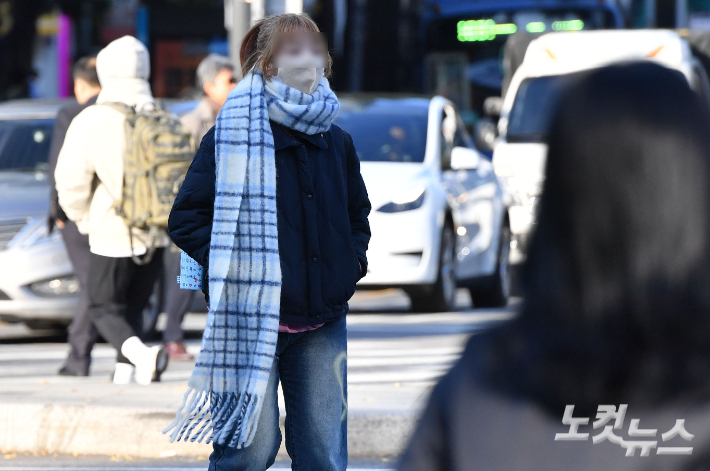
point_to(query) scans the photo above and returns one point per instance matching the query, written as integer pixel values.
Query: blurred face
(222, 85)
(83, 91)
(293, 44)
(300, 49)
(299, 60)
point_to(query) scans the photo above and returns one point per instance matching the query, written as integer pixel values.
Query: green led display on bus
(482, 30)
(571, 25)
(488, 30)
(536, 27)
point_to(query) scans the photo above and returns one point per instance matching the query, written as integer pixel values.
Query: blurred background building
(450, 47)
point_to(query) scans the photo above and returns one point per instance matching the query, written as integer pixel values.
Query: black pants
(82, 333)
(119, 290)
(177, 301)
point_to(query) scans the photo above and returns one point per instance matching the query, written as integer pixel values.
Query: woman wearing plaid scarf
(275, 208)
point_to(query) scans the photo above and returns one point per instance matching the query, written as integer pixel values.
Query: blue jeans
(312, 367)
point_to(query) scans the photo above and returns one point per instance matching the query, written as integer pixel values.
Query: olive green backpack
(159, 150)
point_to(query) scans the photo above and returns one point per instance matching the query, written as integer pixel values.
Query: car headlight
(56, 287)
(406, 202)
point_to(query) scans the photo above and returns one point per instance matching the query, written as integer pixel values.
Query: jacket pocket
(358, 269)
(350, 287)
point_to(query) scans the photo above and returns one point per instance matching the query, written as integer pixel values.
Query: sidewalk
(393, 361)
(84, 416)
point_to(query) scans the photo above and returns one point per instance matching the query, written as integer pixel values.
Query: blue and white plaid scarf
(227, 387)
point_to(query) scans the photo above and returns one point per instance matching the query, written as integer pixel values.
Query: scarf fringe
(222, 416)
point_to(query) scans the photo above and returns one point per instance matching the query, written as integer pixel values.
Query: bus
(464, 40)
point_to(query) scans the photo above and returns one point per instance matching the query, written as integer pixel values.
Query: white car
(36, 283)
(438, 217)
(551, 62)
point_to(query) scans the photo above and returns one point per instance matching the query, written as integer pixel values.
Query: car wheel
(441, 296)
(495, 290)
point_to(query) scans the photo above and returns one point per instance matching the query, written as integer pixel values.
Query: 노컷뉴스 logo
(639, 437)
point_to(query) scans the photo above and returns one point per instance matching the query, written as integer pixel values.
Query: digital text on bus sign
(488, 30)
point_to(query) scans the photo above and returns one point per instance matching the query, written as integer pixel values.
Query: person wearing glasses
(215, 75)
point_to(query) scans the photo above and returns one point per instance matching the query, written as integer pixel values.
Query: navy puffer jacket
(322, 220)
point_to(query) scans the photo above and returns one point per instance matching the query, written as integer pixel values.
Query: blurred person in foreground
(215, 75)
(617, 305)
(89, 180)
(82, 333)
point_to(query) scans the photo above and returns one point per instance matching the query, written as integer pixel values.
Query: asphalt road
(386, 342)
(388, 346)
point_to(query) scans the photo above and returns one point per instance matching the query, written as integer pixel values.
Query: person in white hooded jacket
(89, 182)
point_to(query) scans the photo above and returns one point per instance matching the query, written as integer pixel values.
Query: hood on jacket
(123, 68)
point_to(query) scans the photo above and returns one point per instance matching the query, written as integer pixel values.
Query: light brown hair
(259, 44)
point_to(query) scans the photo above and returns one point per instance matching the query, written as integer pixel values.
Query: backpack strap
(120, 107)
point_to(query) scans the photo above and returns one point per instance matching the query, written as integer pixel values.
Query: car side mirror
(463, 158)
(485, 133)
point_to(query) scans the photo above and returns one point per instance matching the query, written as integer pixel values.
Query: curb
(103, 430)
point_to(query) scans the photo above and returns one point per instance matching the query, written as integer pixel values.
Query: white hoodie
(94, 146)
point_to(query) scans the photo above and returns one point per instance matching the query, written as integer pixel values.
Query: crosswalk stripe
(395, 376)
(382, 348)
(364, 366)
(109, 353)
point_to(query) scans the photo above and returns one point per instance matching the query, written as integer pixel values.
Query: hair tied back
(247, 52)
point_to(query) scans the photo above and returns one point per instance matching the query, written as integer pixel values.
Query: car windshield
(533, 106)
(387, 135)
(24, 144)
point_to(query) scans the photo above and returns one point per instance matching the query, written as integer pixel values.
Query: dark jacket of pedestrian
(323, 232)
(616, 316)
(64, 117)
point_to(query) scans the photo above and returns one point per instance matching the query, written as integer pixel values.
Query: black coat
(322, 208)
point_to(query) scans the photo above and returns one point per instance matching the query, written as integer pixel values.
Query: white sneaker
(123, 373)
(151, 366)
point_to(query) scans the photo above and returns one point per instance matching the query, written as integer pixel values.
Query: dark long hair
(617, 281)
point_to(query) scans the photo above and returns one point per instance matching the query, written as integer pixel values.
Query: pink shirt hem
(295, 328)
